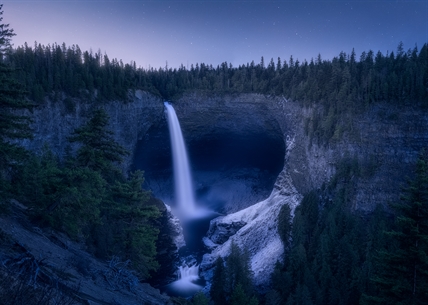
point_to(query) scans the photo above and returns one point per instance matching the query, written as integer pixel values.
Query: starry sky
(174, 32)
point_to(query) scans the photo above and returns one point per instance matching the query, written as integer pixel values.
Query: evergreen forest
(333, 255)
(338, 256)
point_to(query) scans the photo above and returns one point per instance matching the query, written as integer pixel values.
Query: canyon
(250, 154)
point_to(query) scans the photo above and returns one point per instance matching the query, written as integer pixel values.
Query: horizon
(175, 33)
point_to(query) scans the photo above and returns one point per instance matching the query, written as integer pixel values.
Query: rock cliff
(236, 150)
(384, 140)
(255, 229)
(54, 121)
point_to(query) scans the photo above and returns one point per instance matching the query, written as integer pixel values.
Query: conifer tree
(125, 225)
(99, 151)
(6, 34)
(200, 299)
(128, 214)
(402, 276)
(240, 298)
(217, 291)
(233, 283)
(12, 125)
(284, 226)
(238, 270)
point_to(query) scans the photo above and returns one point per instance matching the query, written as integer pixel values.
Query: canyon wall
(384, 141)
(54, 121)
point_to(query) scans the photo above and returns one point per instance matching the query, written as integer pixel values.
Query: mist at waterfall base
(191, 216)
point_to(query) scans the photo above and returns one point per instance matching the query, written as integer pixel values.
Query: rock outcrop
(384, 140)
(258, 233)
(254, 229)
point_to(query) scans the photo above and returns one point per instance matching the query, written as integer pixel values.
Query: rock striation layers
(53, 122)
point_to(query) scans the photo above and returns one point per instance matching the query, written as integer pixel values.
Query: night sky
(194, 31)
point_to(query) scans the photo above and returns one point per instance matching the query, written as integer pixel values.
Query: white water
(186, 207)
(189, 273)
(185, 285)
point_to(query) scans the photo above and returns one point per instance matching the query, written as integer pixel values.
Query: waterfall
(189, 273)
(182, 177)
(186, 210)
(186, 284)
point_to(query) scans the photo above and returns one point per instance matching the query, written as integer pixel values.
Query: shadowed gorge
(223, 164)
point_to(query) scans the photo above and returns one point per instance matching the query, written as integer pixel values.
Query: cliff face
(235, 147)
(384, 141)
(53, 122)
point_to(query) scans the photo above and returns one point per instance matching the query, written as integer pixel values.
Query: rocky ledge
(40, 260)
(253, 229)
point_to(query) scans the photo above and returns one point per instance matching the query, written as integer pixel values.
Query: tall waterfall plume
(183, 180)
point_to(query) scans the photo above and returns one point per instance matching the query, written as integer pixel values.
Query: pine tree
(6, 35)
(129, 215)
(125, 225)
(217, 291)
(238, 270)
(402, 276)
(240, 298)
(200, 299)
(99, 151)
(285, 226)
(12, 125)
(39, 184)
(78, 207)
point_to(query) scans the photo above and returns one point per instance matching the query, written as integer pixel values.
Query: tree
(13, 125)
(232, 284)
(217, 291)
(200, 299)
(402, 276)
(66, 198)
(78, 207)
(125, 225)
(240, 298)
(6, 35)
(99, 150)
(238, 270)
(284, 226)
(39, 183)
(128, 214)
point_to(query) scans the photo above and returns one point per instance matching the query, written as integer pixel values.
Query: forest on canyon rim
(334, 255)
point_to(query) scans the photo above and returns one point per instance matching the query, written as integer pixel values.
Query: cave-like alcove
(232, 169)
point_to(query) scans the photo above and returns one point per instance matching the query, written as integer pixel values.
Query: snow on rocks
(255, 229)
(220, 231)
(209, 244)
(176, 228)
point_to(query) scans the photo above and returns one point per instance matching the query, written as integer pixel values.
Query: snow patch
(176, 228)
(259, 235)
